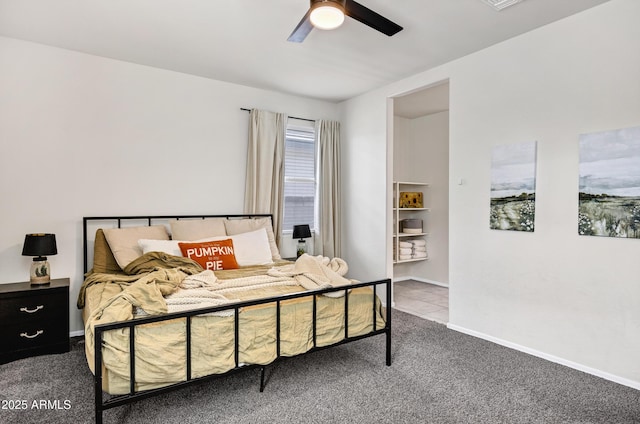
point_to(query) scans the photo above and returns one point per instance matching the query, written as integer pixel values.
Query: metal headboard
(120, 221)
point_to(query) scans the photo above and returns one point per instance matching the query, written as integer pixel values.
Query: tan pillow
(239, 226)
(103, 260)
(124, 241)
(197, 229)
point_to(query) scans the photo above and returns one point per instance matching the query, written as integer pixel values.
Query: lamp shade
(301, 231)
(39, 244)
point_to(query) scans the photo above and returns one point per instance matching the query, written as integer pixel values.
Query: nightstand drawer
(41, 307)
(32, 335)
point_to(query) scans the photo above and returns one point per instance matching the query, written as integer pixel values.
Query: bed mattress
(161, 347)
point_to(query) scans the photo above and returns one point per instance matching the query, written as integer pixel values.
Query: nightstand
(34, 320)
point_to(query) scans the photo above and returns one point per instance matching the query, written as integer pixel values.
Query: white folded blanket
(405, 251)
(420, 249)
(197, 291)
(419, 242)
(406, 244)
(316, 272)
(404, 257)
(418, 255)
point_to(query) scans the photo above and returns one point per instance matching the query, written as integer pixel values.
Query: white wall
(83, 136)
(553, 293)
(421, 153)
(365, 194)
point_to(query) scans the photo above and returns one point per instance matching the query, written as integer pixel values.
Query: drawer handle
(27, 336)
(31, 311)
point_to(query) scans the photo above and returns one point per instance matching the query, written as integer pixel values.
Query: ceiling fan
(329, 14)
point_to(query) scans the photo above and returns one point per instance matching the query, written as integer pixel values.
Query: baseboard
(593, 371)
(78, 333)
(422, 280)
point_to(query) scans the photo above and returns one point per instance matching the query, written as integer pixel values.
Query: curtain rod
(294, 117)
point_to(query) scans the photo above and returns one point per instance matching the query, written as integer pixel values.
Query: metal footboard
(102, 404)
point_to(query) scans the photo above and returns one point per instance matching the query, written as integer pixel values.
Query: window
(299, 177)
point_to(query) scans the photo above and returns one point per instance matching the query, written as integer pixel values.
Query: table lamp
(301, 232)
(40, 245)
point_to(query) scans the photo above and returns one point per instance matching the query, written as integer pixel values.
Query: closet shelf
(411, 214)
(411, 260)
(410, 183)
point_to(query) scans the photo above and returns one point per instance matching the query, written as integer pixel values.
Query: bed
(172, 300)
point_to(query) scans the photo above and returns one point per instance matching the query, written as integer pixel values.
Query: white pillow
(167, 246)
(244, 225)
(250, 248)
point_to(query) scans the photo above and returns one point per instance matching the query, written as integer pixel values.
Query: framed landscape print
(609, 187)
(513, 187)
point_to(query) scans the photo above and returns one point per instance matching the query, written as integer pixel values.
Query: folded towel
(404, 257)
(419, 242)
(404, 251)
(406, 244)
(418, 255)
(420, 249)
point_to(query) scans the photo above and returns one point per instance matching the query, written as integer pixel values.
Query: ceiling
(245, 41)
(423, 102)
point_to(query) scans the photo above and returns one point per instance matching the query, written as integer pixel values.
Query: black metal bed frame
(101, 404)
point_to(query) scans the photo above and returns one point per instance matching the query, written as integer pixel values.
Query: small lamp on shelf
(40, 245)
(301, 232)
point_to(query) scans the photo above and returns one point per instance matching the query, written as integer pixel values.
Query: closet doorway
(419, 163)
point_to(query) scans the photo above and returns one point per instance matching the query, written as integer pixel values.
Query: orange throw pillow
(213, 255)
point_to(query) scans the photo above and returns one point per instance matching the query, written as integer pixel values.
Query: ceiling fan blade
(302, 30)
(371, 18)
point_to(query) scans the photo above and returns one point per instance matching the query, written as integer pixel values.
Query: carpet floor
(437, 376)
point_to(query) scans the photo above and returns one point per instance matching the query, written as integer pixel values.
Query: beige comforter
(163, 284)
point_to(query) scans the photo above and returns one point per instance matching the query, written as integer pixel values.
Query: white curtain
(329, 188)
(265, 165)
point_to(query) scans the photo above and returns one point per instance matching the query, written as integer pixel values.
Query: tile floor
(425, 300)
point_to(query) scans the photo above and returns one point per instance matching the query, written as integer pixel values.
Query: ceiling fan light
(327, 16)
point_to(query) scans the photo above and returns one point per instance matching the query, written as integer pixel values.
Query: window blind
(299, 178)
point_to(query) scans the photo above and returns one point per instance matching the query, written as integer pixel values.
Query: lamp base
(40, 272)
(302, 248)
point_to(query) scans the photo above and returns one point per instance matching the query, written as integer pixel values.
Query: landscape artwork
(513, 187)
(609, 188)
